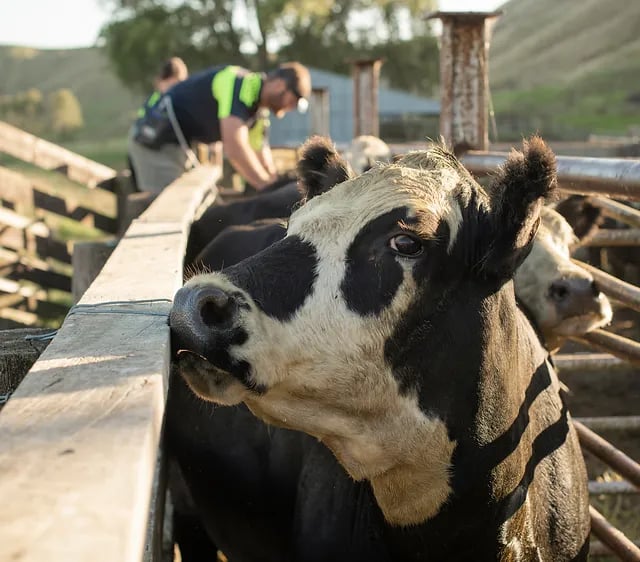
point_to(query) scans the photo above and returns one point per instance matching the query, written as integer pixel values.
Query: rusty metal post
(320, 112)
(464, 78)
(366, 78)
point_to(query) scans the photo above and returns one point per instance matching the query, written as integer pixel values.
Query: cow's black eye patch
(373, 274)
(406, 245)
(280, 278)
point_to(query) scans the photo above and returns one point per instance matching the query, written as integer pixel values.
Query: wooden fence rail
(80, 435)
(50, 156)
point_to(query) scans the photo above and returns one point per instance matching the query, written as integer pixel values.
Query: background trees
(59, 113)
(260, 33)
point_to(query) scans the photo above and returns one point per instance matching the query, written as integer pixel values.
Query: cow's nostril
(559, 290)
(216, 307)
(594, 289)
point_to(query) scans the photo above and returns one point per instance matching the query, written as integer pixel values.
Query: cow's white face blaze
(561, 296)
(310, 332)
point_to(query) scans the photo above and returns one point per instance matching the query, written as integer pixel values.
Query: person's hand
(265, 184)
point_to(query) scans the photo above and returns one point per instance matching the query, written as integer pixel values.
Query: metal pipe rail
(615, 177)
(615, 210)
(606, 452)
(619, 346)
(597, 549)
(572, 362)
(619, 290)
(599, 488)
(614, 539)
(614, 237)
(605, 423)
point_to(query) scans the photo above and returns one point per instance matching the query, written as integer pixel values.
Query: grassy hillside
(108, 108)
(566, 68)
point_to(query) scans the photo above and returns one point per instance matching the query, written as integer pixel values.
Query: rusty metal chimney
(464, 78)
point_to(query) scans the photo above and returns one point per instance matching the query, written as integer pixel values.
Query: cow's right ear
(320, 167)
(518, 191)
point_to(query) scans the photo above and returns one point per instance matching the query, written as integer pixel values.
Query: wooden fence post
(88, 259)
(366, 77)
(320, 116)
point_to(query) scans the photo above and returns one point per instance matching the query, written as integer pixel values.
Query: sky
(62, 24)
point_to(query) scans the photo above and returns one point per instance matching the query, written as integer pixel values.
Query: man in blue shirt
(218, 104)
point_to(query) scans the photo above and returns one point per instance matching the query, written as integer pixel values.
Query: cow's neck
(474, 375)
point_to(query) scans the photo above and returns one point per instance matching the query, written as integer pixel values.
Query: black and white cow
(561, 297)
(422, 418)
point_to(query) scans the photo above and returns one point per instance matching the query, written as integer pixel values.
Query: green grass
(565, 113)
(107, 106)
(110, 152)
(566, 70)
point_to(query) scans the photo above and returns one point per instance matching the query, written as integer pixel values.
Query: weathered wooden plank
(80, 434)
(18, 233)
(88, 260)
(18, 318)
(70, 209)
(20, 192)
(46, 278)
(16, 190)
(45, 154)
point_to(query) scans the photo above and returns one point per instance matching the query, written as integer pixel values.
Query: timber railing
(80, 436)
(50, 156)
(34, 257)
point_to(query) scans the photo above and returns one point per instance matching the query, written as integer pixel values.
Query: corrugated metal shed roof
(294, 128)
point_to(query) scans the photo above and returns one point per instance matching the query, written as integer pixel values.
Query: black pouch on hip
(154, 128)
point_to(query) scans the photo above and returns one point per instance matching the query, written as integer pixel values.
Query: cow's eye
(406, 245)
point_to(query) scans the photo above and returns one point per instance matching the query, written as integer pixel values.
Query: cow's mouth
(587, 320)
(578, 325)
(209, 382)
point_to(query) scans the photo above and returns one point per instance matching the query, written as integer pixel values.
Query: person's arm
(235, 141)
(266, 159)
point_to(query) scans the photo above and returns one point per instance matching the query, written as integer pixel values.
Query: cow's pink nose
(216, 306)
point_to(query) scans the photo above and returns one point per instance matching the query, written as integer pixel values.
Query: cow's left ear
(320, 167)
(584, 218)
(519, 190)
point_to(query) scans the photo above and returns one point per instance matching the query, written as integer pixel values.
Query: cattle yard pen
(81, 462)
(81, 434)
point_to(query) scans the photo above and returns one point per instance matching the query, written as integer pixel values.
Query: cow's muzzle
(204, 323)
(200, 314)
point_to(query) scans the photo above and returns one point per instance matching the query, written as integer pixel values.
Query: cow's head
(376, 323)
(561, 297)
(365, 151)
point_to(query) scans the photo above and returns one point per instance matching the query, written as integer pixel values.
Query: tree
(24, 110)
(260, 33)
(65, 113)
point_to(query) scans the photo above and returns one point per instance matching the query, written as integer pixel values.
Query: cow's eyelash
(413, 230)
